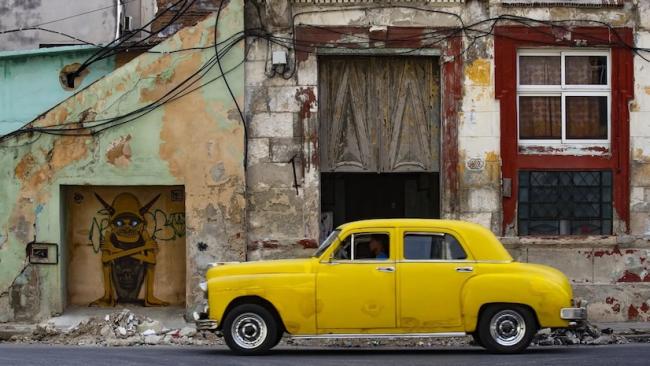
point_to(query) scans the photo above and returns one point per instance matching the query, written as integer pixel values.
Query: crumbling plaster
(196, 141)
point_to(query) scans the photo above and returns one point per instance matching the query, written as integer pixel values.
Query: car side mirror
(331, 260)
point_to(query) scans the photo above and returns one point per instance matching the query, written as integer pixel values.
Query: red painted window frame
(508, 39)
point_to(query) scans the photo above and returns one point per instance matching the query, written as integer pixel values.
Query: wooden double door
(379, 114)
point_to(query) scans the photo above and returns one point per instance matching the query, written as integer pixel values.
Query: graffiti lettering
(165, 226)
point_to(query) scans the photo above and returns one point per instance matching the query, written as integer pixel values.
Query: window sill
(565, 149)
(565, 240)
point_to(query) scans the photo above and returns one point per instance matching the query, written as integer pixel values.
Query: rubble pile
(118, 329)
(585, 333)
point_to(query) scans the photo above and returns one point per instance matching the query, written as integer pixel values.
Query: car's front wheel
(506, 328)
(250, 329)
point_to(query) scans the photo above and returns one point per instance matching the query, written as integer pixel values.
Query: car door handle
(386, 269)
(464, 269)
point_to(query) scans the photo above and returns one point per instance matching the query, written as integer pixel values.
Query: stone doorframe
(313, 41)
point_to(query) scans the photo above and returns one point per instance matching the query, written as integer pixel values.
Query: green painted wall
(29, 81)
(196, 141)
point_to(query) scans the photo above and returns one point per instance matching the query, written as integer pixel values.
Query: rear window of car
(425, 246)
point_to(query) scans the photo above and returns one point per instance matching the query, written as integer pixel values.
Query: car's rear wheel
(250, 329)
(506, 328)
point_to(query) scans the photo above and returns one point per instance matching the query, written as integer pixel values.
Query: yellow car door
(355, 286)
(431, 272)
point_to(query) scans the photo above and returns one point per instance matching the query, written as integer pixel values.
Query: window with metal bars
(565, 203)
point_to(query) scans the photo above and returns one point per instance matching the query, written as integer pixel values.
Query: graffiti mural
(128, 252)
(127, 239)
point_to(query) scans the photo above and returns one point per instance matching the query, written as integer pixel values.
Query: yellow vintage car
(390, 278)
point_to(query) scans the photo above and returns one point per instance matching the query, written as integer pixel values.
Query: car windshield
(326, 244)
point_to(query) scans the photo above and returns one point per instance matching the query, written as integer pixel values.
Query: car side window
(419, 246)
(364, 246)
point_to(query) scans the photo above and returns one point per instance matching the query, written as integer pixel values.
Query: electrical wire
(65, 18)
(225, 80)
(475, 31)
(112, 47)
(48, 31)
(90, 127)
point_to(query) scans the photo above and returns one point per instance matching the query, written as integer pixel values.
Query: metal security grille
(565, 203)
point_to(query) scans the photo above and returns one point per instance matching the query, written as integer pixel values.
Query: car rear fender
(543, 296)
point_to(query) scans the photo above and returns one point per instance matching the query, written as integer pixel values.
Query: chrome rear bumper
(573, 313)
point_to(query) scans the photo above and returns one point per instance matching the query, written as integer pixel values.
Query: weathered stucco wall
(30, 81)
(283, 119)
(195, 141)
(610, 272)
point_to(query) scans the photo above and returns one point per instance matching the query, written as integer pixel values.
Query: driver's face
(375, 246)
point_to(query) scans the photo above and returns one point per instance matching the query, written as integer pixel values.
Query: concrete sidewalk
(633, 331)
(173, 318)
(625, 327)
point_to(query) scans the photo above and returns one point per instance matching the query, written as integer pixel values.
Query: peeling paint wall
(30, 81)
(195, 141)
(284, 221)
(283, 117)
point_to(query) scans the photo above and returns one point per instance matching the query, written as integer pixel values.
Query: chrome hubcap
(249, 330)
(507, 327)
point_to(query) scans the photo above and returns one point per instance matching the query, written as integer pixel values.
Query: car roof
(480, 241)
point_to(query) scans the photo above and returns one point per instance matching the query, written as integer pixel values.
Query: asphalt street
(628, 354)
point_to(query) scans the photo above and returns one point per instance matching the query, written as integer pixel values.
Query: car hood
(260, 267)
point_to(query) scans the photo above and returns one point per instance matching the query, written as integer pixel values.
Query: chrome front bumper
(207, 325)
(573, 314)
(203, 322)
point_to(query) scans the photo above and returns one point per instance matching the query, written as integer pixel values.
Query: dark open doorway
(354, 196)
(379, 138)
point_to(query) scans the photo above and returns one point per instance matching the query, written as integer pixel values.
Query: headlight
(203, 286)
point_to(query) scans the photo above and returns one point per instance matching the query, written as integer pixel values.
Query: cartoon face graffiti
(128, 253)
(127, 220)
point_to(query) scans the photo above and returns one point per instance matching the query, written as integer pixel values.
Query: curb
(9, 330)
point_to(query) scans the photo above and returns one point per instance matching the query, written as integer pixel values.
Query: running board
(374, 336)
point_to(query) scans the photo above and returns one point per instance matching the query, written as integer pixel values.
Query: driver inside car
(379, 246)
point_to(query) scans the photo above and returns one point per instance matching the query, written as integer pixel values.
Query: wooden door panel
(379, 114)
(346, 134)
(410, 134)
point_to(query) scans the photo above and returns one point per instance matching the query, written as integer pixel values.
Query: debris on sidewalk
(585, 333)
(122, 328)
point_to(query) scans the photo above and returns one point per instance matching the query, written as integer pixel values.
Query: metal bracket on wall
(295, 177)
